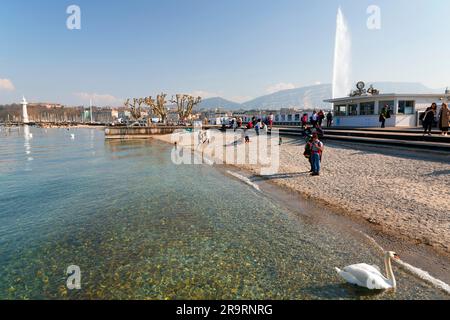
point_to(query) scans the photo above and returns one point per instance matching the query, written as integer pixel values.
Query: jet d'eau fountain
(342, 58)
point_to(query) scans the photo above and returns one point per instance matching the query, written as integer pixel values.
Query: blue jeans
(315, 162)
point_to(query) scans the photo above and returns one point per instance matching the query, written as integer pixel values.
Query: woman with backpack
(428, 119)
(384, 115)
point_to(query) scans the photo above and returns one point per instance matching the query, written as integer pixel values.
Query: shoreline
(425, 254)
(55, 126)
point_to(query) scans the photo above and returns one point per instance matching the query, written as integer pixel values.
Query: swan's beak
(396, 256)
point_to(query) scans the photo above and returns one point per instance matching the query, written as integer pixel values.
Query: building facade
(364, 110)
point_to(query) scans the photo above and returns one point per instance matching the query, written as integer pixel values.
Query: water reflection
(27, 137)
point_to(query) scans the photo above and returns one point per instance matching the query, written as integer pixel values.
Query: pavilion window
(405, 107)
(297, 117)
(289, 117)
(367, 108)
(352, 109)
(340, 110)
(390, 104)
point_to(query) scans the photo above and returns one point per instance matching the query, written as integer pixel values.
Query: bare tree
(151, 104)
(160, 107)
(135, 108)
(185, 104)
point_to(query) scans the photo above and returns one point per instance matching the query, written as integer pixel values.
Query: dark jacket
(429, 116)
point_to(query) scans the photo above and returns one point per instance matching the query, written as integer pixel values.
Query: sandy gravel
(406, 195)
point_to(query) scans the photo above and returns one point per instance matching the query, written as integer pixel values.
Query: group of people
(428, 118)
(317, 118)
(255, 123)
(258, 125)
(431, 115)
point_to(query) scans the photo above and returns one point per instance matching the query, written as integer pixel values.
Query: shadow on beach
(438, 173)
(278, 176)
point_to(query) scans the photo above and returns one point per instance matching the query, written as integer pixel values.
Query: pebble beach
(406, 194)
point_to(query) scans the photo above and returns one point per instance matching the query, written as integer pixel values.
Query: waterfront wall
(144, 132)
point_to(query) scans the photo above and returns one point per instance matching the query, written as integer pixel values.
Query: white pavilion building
(362, 109)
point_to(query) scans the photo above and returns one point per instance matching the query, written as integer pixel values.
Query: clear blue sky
(238, 49)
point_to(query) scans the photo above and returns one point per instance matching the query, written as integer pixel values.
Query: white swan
(370, 277)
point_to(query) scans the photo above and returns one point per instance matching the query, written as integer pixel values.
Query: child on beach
(317, 148)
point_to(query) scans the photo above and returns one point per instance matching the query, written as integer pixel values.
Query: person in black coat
(428, 119)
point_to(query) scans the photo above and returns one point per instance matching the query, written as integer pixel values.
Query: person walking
(304, 120)
(329, 119)
(320, 117)
(314, 119)
(444, 119)
(200, 138)
(257, 126)
(271, 118)
(234, 124)
(317, 148)
(207, 137)
(428, 119)
(384, 115)
(240, 122)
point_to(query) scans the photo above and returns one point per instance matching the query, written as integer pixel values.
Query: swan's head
(392, 255)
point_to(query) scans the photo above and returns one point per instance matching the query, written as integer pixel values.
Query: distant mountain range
(213, 103)
(309, 97)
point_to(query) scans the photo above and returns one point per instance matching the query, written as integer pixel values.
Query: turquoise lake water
(140, 227)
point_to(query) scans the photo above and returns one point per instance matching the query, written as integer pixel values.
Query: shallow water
(140, 227)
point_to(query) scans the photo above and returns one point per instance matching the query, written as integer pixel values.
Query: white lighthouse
(90, 110)
(25, 111)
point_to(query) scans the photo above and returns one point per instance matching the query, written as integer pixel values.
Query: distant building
(216, 117)
(285, 116)
(115, 114)
(46, 105)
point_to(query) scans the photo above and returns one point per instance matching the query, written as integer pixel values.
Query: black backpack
(423, 115)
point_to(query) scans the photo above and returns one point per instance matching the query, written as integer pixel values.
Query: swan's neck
(389, 271)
